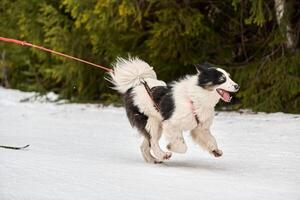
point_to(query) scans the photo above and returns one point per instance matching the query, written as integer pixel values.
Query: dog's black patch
(209, 76)
(136, 118)
(163, 97)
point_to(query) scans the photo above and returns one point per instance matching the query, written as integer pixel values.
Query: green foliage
(257, 13)
(171, 35)
(272, 85)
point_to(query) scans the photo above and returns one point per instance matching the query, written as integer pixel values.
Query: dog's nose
(236, 87)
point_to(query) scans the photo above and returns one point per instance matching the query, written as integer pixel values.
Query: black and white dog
(154, 107)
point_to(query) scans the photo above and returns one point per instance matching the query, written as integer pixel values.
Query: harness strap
(194, 112)
(150, 95)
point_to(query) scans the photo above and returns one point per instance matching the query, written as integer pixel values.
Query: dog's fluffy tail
(128, 73)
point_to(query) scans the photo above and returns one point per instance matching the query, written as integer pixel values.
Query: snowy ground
(87, 152)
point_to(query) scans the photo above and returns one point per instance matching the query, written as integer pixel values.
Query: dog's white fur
(130, 73)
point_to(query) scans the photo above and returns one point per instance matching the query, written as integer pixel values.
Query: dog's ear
(204, 67)
(200, 68)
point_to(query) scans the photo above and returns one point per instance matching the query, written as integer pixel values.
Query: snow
(90, 152)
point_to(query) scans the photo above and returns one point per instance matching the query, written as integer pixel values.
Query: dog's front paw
(217, 153)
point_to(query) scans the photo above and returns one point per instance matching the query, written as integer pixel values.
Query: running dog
(154, 107)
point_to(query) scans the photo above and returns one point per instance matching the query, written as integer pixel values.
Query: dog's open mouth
(225, 95)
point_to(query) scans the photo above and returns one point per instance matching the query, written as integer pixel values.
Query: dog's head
(216, 80)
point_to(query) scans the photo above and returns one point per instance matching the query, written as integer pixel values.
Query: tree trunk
(288, 24)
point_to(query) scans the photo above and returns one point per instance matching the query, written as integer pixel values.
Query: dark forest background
(257, 41)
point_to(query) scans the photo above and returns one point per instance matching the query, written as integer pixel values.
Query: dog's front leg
(205, 139)
(175, 139)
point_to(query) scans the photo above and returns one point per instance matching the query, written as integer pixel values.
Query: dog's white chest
(188, 123)
(185, 118)
(205, 114)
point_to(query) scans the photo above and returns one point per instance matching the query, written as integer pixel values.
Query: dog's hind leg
(154, 128)
(145, 149)
(204, 138)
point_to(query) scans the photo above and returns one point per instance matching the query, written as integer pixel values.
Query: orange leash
(23, 43)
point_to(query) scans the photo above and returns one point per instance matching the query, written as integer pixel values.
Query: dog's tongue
(226, 96)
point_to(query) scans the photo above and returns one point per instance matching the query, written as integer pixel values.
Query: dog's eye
(222, 78)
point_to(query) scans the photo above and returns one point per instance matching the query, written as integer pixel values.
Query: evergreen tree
(248, 38)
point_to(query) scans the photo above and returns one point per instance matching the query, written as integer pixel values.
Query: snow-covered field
(87, 152)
